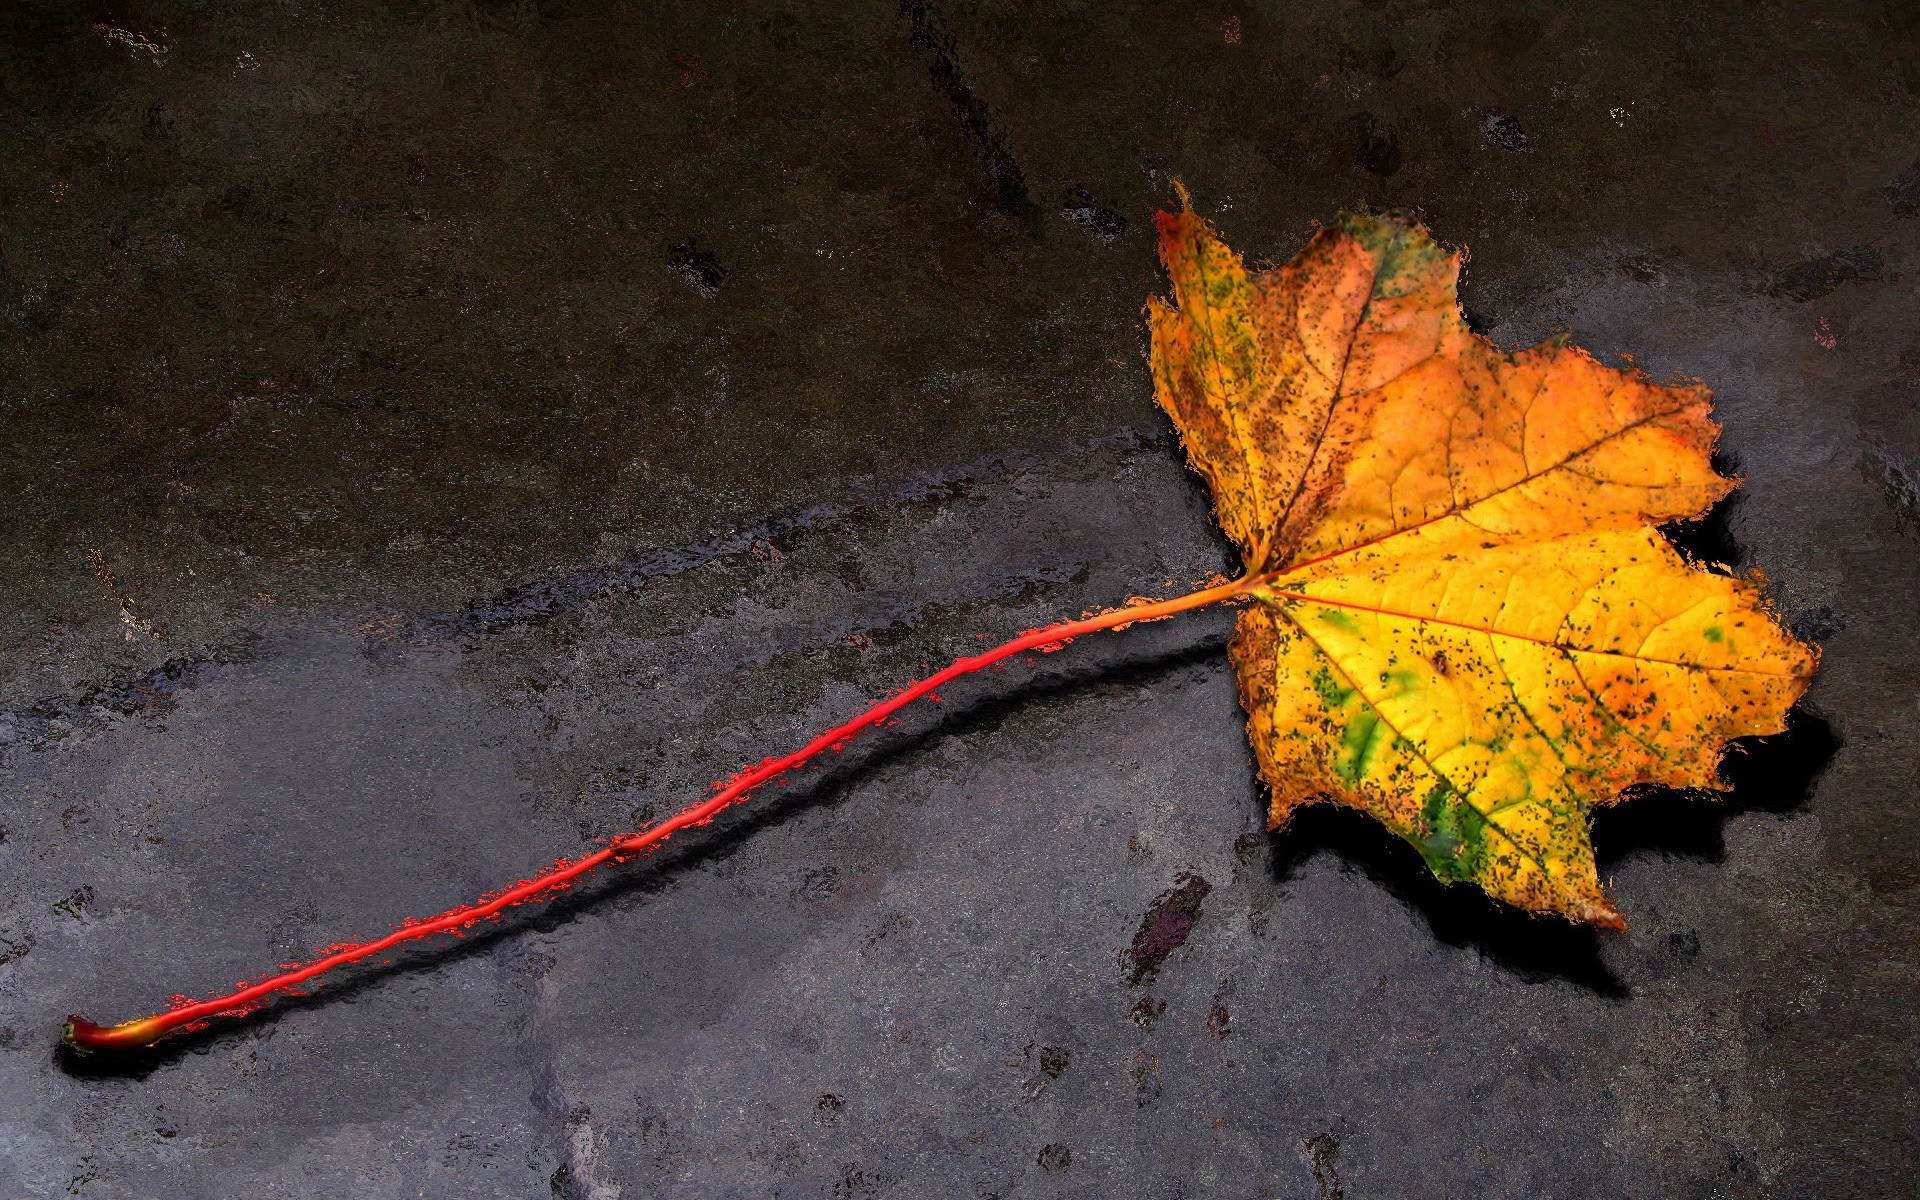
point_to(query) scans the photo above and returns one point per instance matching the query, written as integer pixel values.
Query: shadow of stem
(1142, 658)
(1767, 775)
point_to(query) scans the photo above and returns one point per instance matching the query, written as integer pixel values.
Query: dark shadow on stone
(1373, 144)
(1537, 949)
(700, 268)
(1116, 670)
(1708, 540)
(931, 38)
(1769, 775)
(1903, 192)
(1773, 774)
(1818, 277)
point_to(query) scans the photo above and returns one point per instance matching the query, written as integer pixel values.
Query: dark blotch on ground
(1818, 624)
(1376, 147)
(1102, 223)
(1817, 277)
(1147, 1011)
(1323, 1159)
(1903, 192)
(1890, 470)
(701, 268)
(1504, 131)
(1166, 927)
(1054, 1061)
(1219, 1018)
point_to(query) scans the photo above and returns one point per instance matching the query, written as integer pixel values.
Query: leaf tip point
(1173, 222)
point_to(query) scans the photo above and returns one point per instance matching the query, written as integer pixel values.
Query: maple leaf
(1463, 619)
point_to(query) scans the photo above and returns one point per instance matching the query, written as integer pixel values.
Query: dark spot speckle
(1102, 223)
(1219, 1019)
(828, 1107)
(77, 904)
(1903, 192)
(1054, 1061)
(1054, 1156)
(1147, 1011)
(701, 268)
(14, 948)
(1505, 132)
(1323, 1159)
(1818, 624)
(818, 884)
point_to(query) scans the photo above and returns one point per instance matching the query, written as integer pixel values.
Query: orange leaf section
(1465, 622)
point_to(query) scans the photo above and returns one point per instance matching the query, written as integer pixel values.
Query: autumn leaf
(1464, 620)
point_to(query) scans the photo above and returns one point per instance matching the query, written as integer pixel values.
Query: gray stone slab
(437, 435)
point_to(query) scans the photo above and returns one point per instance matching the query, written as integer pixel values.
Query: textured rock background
(438, 434)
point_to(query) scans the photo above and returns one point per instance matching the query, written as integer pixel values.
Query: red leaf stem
(188, 1014)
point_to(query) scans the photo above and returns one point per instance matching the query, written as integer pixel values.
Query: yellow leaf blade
(1466, 623)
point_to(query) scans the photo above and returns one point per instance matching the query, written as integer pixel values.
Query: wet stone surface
(440, 434)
